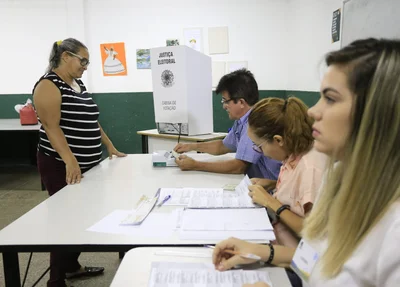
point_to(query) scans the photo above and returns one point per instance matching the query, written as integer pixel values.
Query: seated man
(239, 92)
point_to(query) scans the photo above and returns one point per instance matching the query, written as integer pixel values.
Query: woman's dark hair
(59, 47)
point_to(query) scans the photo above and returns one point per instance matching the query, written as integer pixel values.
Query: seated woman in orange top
(282, 130)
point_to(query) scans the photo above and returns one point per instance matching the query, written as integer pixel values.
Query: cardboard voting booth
(182, 90)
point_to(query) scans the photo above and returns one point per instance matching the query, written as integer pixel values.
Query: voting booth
(182, 90)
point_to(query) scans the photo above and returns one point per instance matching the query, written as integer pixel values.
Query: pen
(244, 255)
(164, 200)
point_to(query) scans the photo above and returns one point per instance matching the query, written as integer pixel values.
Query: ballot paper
(255, 219)
(220, 198)
(144, 207)
(156, 225)
(184, 274)
(209, 197)
(179, 196)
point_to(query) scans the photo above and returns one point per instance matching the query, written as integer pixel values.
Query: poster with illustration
(113, 59)
(194, 38)
(143, 59)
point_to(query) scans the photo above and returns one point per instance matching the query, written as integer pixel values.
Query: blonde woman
(354, 229)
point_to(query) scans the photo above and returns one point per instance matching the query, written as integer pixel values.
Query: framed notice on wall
(336, 26)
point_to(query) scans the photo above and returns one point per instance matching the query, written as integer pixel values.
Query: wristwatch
(280, 209)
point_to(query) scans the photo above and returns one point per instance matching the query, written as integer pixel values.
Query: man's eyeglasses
(225, 102)
(258, 148)
(83, 61)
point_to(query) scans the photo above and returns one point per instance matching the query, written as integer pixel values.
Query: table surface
(206, 137)
(15, 125)
(114, 184)
(136, 266)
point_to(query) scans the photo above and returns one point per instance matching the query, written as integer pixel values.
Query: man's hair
(239, 84)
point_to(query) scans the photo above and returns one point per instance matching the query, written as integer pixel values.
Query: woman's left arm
(260, 196)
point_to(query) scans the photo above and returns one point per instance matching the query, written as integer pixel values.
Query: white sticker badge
(304, 260)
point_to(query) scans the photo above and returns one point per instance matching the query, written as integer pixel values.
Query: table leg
(121, 255)
(11, 269)
(145, 144)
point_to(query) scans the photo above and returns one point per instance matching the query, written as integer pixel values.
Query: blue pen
(164, 200)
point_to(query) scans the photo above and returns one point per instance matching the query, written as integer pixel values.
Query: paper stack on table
(210, 197)
(219, 224)
(174, 274)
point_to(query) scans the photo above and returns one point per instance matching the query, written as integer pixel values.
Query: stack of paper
(226, 219)
(156, 225)
(179, 196)
(168, 274)
(144, 207)
(216, 224)
(210, 197)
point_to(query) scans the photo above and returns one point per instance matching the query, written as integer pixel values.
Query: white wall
(309, 39)
(27, 31)
(255, 34)
(282, 40)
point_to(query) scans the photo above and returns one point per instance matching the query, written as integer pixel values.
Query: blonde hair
(287, 118)
(362, 187)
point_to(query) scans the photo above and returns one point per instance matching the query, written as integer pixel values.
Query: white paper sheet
(174, 274)
(179, 196)
(155, 225)
(193, 38)
(198, 253)
(218, 40)
(226, 219)
(206, 198)
(217, 236)
(219, 198)
(209, 197)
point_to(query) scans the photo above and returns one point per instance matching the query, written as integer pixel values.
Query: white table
(60, 222)
(136, 266)
(153, 141)
(12, 131)
(15, 125)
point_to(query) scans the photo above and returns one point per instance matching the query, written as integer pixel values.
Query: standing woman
(70, 137)
(351, 237)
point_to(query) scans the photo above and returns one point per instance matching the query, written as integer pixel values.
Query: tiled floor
(20, 192)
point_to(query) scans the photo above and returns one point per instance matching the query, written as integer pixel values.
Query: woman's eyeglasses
(83, 61)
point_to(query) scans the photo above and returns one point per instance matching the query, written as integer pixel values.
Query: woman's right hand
(73, 171)
(225, 261)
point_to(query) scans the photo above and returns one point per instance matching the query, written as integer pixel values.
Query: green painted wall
(123, 114)
(309, 98)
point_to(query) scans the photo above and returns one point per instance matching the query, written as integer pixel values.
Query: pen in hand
(244, 255)
(164, 200)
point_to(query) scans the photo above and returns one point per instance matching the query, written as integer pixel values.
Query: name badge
(304, 260)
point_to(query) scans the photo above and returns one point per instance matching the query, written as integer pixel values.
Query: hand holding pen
(233, 251)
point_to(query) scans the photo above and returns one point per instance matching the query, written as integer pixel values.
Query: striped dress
(79, 122)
